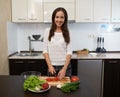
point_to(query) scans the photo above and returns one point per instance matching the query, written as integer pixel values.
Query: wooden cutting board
(55, 83)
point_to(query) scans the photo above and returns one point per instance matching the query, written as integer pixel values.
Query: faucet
(30, 48)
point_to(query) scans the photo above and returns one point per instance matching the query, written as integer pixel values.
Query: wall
(5, 15)
(83, 35)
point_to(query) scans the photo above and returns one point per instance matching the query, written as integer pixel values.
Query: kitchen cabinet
(84, 10)
(27, 11)
(90, 74)
(51, 5)
(115, 11)
(93, 10)
(111, 78)
(17, 66)
(102, 10)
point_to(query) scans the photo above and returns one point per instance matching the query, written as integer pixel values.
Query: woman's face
(59, 18)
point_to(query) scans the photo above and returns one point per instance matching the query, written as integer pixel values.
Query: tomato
(74, 79)
(45, 86)
(56, 79)
(49, 79)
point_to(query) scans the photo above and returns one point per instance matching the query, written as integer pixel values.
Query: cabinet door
(58, 1)
(35, 11)
(19, 10)
(111, 78)
(115, 11)
(102, 10)
(16, 67)
(84, 10)
(38, 65)
(50, 7)
(74, 66)
(89, 72)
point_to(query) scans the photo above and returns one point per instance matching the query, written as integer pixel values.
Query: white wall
(83, 35)
(12, 38)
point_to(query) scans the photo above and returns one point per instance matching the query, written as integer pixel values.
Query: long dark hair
(64, 27)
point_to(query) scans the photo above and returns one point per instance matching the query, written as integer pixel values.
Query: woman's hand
(51, 70)
(62, 73)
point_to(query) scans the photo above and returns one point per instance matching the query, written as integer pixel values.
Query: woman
(57, 48)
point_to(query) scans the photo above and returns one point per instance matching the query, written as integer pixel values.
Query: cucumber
(68, 87)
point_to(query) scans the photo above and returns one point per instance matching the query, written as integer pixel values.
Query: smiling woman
(57, 39)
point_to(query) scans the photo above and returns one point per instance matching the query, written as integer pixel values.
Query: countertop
(12, 86)
(74, 56)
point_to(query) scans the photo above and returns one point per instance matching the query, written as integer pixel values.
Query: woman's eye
(60, 17)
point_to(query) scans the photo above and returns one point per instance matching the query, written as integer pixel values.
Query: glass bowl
(26, 74)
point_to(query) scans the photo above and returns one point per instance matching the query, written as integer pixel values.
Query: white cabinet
(51, 5)
(27, 11)
(102, 10)
(93, 10)
(115, 10)
(84, 10)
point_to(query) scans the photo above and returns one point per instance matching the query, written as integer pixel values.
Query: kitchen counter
(75, 56)
(12, 86)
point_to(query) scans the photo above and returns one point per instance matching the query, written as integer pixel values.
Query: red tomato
(74, 79)
(45, 86)
(56, 79)
(49, 79)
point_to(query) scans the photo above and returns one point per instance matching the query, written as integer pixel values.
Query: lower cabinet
(111, 78)
(17, 66)
(90, 74)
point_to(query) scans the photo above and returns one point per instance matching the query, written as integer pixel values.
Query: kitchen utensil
(26, 74)
(102, 45)
(55, 83)
(98, 45)
(39, 91)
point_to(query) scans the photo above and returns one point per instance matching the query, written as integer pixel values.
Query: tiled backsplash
(83, 35)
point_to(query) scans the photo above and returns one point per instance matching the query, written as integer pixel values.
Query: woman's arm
(50, 67)
(62, 72)
(45, 53)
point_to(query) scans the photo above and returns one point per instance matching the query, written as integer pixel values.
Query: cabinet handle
(87, 19)
(33, 19)
(31, 62)
(112, 61)
(20, 62)
(21, 19)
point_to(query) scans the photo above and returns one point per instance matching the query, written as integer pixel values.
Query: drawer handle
(31, 62)
(19, 62)
(112, 61)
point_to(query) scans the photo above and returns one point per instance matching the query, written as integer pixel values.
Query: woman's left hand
(61, 73)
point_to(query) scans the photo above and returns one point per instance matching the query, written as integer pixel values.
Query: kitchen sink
(27, 54)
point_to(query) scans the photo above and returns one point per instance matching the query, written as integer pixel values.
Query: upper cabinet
(84, 10)
(78, 10)
(27, 11)
(93, 10)
(51, 5)
(102, 10)
(40, 10)
(115, 10)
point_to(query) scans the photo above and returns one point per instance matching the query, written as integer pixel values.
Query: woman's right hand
(51, 70)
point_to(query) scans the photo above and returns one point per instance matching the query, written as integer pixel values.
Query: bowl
(36, 37)
(26, 74)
